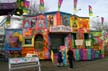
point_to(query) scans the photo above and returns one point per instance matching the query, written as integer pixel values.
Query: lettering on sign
(79, 42)
(60, 28)
(23, 60)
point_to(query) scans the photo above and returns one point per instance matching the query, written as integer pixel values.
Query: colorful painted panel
(27, 22)
(15, 53)
(28, 32)
(74, 23)
(96, 40)
(65, 20)
(58, 18)
(41, 22)
(84, 23)
(33, 22)
(50, 20)
(13, 39)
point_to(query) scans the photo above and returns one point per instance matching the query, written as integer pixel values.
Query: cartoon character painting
(13, 39)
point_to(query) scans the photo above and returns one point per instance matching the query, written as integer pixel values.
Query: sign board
(2, 30)
(88, 43)
(23, 60)
(60, 28)
(79, 42)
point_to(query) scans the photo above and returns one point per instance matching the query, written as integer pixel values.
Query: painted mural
(50, 20)
(74, 23)
(13, 42)
(35, 34)
(84, 24)
(13, 39)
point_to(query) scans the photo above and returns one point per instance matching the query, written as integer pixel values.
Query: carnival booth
(44, 33)
(35, 36)
(59, 29)
(97, 44)
(69, 31)
(80, 38)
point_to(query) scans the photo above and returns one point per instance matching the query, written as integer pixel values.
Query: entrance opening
(39, 42)
(57, 40)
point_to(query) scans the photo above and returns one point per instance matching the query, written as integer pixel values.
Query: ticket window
(28, 42)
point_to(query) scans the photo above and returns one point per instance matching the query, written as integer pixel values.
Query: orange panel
(58, 18)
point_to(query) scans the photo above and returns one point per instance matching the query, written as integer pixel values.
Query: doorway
(57, 40)
(39, 42)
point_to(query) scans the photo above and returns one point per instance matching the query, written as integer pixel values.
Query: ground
(94, 65)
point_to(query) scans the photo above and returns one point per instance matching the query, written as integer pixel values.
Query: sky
(99, 7)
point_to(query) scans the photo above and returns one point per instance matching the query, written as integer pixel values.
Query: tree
(98, 26)
(34, 9)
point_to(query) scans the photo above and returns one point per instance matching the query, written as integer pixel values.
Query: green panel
(88, 53)
(77, 54)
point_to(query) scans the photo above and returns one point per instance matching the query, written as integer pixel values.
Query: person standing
(70, 58)
(60, 58)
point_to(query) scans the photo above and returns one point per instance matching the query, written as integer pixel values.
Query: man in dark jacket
(60, 60)
(70, 57)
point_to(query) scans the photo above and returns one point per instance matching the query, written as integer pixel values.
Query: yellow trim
(28, 45)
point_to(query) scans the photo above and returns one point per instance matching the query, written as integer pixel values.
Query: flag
(8, 20)
(20, 3)
(90, 11)
(26, 4)
(25, 11)
(75, 5)
(59, 4)
(26, 7)
(41, 7)
(102, 20)
(52, 56)
(23, 7)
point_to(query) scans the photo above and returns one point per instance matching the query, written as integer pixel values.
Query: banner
(102, 20)
(23, 7)
(90, 11)
(20, 4)
(8, 20)
(41, 6)
(75, 5)
(59, 4)
(26, 4)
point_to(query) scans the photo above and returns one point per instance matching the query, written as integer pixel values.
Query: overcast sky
(99, 7)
